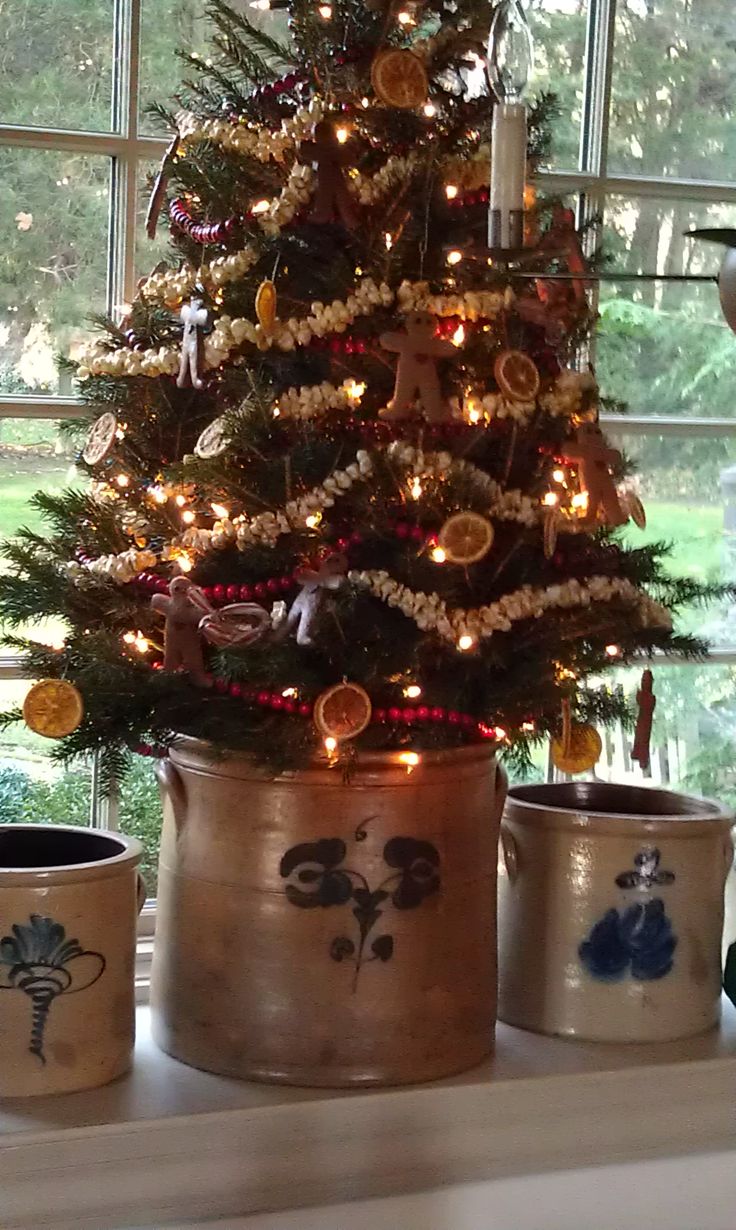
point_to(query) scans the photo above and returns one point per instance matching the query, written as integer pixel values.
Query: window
(645, 143)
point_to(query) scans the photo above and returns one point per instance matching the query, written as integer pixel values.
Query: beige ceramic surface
(66, 1009)
(245, 980)
(559, 881)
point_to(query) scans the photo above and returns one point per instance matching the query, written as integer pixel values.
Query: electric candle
(510, 60)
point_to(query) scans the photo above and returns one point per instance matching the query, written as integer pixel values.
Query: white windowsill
(168, 1142)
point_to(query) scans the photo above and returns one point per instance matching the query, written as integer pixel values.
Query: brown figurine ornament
(195, 318)
(416, 372)
(158, 192)
(594, 458)
(646, 701)
(182, 639)
(332, 199)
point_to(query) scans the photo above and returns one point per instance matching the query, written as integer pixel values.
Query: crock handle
(509, 854)
(728, 842)
(141, 891)
(500, 791)
(171, 787)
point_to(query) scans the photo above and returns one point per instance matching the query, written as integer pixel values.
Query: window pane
(688, 488)
(140, 816)
(664, 348)
(694, 733)
(559, 27)
(148, 252)
(53, 261)
(56, 68)
(33, 456)
(167, 26)
(32, 788)
(674, 89)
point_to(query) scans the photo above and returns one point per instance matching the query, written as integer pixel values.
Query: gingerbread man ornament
(182, 640)
(416, 373)
(332, 199)
(594, 459)
(646, 702)
(195, 318)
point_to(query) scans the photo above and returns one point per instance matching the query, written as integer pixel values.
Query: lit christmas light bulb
(355, 389)
(260, 207)
(559, 476)
(454, 257)
(613, 651)
(580, 501)
(220, 510)
(289, 693)
(451, 191)
(180, 500)
(412, 691)
(429, 110)
(465, 642)
(158, 495)
(458, 336)
(188, 517)
(551, 498)
(410, 759)
(122, 480)
(325, 11)
(342, 133)
(142, 644)
(438, 554)
(415, 488)
(185, 563)
(313, 520)
(129, 638)
(389, 241)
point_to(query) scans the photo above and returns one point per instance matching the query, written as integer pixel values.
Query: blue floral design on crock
(638, 940)
(647, 873)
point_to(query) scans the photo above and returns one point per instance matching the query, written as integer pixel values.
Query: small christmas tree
(347, 487)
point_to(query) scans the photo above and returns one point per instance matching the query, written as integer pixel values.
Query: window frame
(127, 148)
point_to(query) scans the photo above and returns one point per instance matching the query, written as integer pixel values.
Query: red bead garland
(406, 715)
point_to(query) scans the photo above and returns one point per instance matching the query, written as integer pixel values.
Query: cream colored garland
(97, 360)
(430, 612)
(253, 140)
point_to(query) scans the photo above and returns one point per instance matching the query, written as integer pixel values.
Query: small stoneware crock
(69, 900)
(611, 911)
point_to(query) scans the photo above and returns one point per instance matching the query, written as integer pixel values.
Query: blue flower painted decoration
(638, 940)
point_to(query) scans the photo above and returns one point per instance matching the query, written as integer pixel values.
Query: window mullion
(597, 93)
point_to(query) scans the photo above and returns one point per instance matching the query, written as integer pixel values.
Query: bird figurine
(727, 277)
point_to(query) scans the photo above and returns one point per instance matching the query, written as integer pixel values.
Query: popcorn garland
(504, 505)
(430, 612)
(372, 188)
(309, 401)
(173, 285)
(252, 140)
(97, 360)
(267, 527)
(293, 196)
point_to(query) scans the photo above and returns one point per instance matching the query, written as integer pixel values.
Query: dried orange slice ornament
(516, 375)
(583, 752)
(399, 78)
(466, 537)
(634, 507)
(100, 438)
(212, 441)
(342, 712)
(266, 306)
(53, 708)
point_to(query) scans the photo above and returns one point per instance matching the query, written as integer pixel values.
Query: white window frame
(127, 147)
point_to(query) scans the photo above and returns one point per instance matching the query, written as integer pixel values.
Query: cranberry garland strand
(406, 715)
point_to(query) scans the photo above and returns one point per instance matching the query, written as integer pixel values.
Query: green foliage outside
(27, 799)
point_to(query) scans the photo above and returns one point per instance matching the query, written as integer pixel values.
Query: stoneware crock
(322, 931)
(69, 900)
(611, 911)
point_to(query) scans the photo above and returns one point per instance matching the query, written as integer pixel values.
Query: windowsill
(168, 1142)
